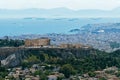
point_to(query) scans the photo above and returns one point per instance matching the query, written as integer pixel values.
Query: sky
(71, 4)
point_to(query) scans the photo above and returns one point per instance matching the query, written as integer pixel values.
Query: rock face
(11, 57)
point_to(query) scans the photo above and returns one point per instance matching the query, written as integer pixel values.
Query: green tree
(118, 74)
(43, 77)
(102, 78)
(3, 72)
(67, 70)
(92, 74)
(38, 72)
(33, 59)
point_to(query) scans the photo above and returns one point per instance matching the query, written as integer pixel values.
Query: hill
(89, 59)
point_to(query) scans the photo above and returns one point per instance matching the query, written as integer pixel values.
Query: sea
(21, 26)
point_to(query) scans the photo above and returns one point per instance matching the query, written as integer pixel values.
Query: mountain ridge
(60, 12)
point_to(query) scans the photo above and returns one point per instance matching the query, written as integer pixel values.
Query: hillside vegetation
(82, 60)
(76, 61)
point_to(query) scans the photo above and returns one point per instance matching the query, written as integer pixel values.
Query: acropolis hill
(12, 56)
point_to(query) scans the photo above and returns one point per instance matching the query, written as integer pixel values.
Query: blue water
(11, 27)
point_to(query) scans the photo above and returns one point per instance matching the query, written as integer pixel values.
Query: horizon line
(59, 8)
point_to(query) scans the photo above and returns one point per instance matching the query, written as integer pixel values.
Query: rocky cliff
(11, 57)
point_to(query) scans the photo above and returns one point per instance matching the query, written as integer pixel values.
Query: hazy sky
(72, 4)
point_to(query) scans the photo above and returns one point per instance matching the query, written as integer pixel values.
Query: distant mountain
(59, 12)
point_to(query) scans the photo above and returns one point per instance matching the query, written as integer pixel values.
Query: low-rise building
(52, 77)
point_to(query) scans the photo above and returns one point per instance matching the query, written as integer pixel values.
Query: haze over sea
(11, 27)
